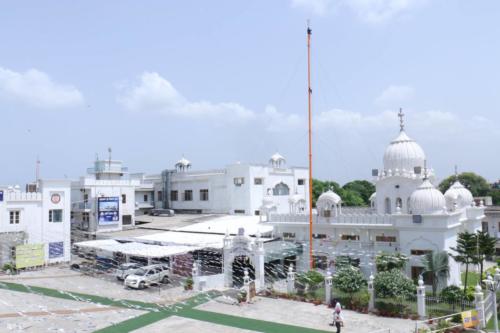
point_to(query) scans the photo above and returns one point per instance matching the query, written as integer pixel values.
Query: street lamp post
(492, 285)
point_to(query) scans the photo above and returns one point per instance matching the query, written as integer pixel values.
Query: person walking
(338, 321)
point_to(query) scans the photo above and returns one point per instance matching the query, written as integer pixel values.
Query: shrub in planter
(188, 284)
(393, 284)
(242, 296)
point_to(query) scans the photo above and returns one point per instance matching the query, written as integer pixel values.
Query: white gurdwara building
(408, 214)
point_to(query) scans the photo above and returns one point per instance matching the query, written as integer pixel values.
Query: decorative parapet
(23, 196)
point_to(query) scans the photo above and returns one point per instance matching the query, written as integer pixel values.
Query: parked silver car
(147, 276)
(126, 269)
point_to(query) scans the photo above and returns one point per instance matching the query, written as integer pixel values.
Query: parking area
(105, 284)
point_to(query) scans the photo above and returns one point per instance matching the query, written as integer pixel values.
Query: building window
(326, 213)
(484, 226)
(124, 198)
(174, 195)
(145, 198)
(257, 212)
(86, 217)
(350, 237)
(257, 181)
(301, 181)
(160, 196)
(238, 181)
(85, 198)
(281, 189)
(419, 252)
(288, 235)
(239, 211)
(388, 206)
(319, 236)
(188, 195)
(55, 215)
(204, 195)
(399, 203)
(14, 216)
(382, 238)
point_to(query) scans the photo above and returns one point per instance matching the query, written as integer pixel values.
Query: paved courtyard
(60, 300)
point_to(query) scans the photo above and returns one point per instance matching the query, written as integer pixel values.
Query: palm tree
(436, 264)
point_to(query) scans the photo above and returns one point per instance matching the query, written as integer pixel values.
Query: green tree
(436, 264)
(349, 279)
(320, 186)
(393, 284)
(465, 253)
(495, 196)
(351, 198)
(476, 184)
(389, 261)
(363, 188)
(486, 246)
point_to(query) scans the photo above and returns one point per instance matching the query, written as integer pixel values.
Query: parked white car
(147, 276)
(126, 269)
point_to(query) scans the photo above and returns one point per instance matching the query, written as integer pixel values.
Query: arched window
(281, 189)
(387, 206)
(399, 203)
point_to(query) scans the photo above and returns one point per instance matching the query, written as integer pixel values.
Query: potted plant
(188, 284)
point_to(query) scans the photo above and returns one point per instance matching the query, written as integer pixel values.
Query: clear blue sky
(225, 81)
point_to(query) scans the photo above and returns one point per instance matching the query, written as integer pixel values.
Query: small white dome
(183, 162)
(277, 157)
(403, 153)
(426, 199)
(329, 197)
(459, 194)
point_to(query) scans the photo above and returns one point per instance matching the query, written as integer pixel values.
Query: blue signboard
(1, 196)
(56, 250)
(108, 210)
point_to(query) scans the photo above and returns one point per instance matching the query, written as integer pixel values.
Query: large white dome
(403, 153)
(426, 199)
(459, 194)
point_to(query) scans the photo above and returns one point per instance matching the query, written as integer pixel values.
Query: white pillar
(328, 288)
(371, 292)
(479, 302)
(290, 280)
(246, 284)
(421, 297)
(228, 272)
(260, 273)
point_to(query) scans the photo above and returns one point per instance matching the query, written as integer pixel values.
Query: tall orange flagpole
(309, 95)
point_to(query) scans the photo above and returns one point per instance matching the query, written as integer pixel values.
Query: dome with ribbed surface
(403, 153)
(458, 194)
(426, 199)
(329, 197)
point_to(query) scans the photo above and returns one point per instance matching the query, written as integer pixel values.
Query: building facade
(35, 227)
(236, 189)
(104, 199)
(408, 215)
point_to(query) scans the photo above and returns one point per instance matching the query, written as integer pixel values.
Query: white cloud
(345, 120)
(394, 95)
(154, 93)
(317, 7)
(36, 89)
(379, 11)
(276, 121)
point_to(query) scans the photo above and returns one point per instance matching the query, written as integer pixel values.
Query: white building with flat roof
(236, 189)
(104, 199)
(40, 219)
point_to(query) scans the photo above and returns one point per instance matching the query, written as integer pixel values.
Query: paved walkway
(156, 312)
